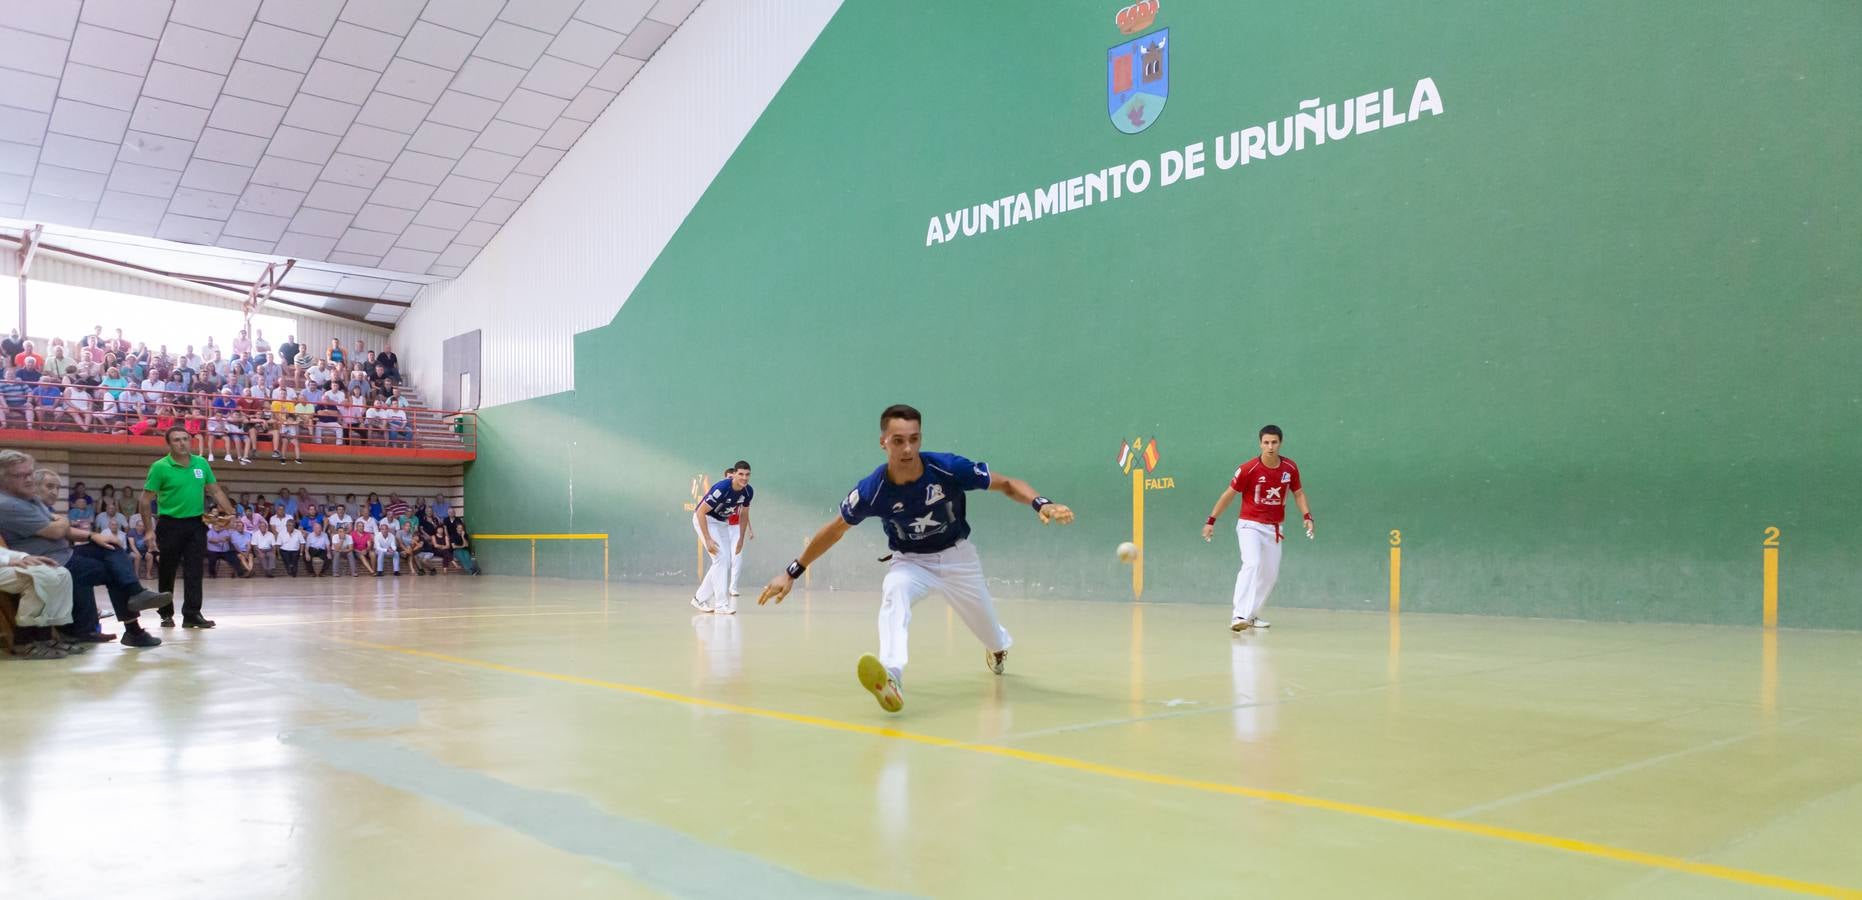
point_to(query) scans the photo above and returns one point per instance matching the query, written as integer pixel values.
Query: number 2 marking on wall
(1771, 535)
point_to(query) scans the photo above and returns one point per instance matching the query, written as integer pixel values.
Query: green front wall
(1581, 337)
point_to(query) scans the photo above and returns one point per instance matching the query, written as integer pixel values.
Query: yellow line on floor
(523, 615)
(1512, 835)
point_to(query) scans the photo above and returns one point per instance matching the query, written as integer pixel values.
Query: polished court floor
(503, 737)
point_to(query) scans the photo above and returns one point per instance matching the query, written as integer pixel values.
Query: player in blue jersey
(712, 521)
(919, 497)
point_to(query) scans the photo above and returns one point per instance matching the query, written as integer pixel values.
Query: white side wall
(570, 257)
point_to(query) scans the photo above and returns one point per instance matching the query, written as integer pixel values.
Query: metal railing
(131, 412)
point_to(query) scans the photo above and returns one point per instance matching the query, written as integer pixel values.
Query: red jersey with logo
(1264, 491)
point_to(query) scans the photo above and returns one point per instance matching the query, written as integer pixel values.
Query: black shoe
(168, 621)
(95, 637)
(136, 637)
(148, 600)
(196, 622)
(378, 574)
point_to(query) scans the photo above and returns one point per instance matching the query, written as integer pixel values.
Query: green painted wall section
(1581, 337)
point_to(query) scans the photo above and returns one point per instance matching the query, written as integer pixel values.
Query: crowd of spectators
(229, 400)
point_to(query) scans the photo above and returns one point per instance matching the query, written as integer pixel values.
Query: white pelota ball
(1127, 552)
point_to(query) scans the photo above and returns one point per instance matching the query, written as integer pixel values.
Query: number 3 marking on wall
(1396, 538)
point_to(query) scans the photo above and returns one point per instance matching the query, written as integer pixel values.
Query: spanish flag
(1150, 456)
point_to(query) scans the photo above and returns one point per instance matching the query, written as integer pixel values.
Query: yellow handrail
(534, 538)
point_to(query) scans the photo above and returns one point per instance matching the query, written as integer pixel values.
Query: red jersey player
(1263, 484)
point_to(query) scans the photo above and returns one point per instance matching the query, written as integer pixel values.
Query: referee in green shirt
(175, 496)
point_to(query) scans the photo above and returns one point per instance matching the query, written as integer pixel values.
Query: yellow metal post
(1137, 531)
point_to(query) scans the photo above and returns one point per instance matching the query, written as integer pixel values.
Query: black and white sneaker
(1260, 623)
(995, 660)
(1240, 625)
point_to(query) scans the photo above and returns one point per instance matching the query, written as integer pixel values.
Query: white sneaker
(229, 457)
(726, 610)
(735, 594)
(700, 606)
(1260, 623)
(995, 659)
(1240, 625)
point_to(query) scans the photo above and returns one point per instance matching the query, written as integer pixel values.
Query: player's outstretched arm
(1021, 492)
(829, 535)
(1220, 504)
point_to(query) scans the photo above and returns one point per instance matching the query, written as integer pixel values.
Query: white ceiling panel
(145, 181)
(308, 16)
(256, 226)
(188, 229)
(558, 77)
(672, 12)
(103, 87)
(614, 15)
(644, 41)
(358, 46)
(442, 140)
(408, 195)
(286, 173)
(615, 74)
(215, 176)
(270, 200)
(340, 81)
(132, 207)
(159, 151)
(282, 47)
(590, 45)
(485, 165)
(80, 153)
(370, 142)
(342, 198)
(202, 204)
(421, 168)
(321, 114)
(358, 171)
(168, 118)
(529, 108)
(246, 116)
(448, 216)
(22, 159)
(228, 17)
(437, 45)
(483, 78)
(27, 90)
(403, 259)
(32, 52)
(540, 160)
(512, 44)
(508, 137)
(168, 81)
(470, 16)
(415, 81)
(393, 16)
(54, 18)
(303, 145)
(463, 111)
(144, 17)
(459, 190)
(270, 84)
(68, 184)
(230, 147)
(198, 48)
(376, 217)
(114, 50)
(99, 123)
(381, 138)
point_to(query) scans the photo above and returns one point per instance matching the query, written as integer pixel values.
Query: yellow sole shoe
(879, 683)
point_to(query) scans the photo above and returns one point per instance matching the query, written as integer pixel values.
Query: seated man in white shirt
(265, 552)
(387, 546)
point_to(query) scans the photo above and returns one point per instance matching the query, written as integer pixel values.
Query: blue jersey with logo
(725, 499)
(925, 516)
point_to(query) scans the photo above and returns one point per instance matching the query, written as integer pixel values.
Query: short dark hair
(899, 411)
(741, 466)
(171, 432)
(1271, 429)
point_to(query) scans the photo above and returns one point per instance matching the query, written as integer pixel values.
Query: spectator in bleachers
(342, 551)
(265, 552)
(364, 543)
(287, 351)
(11, 346)
(58, 359)
(28, 358)
(316, 549)
(335, 353)
(220, 549)
(387, 547)
(44, 589)
(291, 546)
(14, 394)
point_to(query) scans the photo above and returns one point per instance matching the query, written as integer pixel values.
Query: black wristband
(796, 569)
(1040, 502)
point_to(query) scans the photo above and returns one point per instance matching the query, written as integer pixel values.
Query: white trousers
(737, 557)
(1260, 567)
(714, 591)
(957, 573)
(44, 593)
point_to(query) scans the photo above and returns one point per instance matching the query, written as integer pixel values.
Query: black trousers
(290, 561)
(231, 558)
(182, 544)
